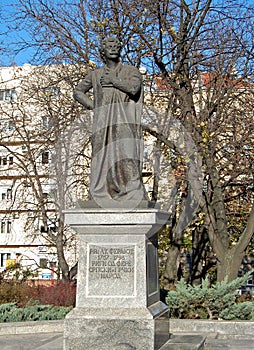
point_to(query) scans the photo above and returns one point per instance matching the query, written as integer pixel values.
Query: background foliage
(204, 301)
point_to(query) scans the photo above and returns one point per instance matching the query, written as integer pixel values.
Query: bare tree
(203, 52)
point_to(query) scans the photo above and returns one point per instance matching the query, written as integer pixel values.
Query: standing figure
(116, 168)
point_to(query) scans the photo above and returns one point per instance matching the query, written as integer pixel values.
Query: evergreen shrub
(12, 313)
(218, 301)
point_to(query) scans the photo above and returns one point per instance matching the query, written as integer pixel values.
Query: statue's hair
(104, 42)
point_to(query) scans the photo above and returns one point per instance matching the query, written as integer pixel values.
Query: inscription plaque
(111, 270)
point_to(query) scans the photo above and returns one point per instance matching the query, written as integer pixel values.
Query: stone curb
(228, 328)
(31, 327)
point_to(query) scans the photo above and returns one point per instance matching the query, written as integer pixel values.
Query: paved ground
(47, 341)
(213, 343)
(54, 341)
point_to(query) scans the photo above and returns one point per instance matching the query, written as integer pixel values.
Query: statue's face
(111, 49)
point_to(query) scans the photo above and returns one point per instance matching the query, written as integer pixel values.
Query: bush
(12, 313)
(241, 311)
(203, 301)
(58, 294)
(19, 292)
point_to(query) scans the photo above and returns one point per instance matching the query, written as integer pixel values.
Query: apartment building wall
(23, 121)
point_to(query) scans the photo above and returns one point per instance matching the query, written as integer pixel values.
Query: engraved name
(111, 263)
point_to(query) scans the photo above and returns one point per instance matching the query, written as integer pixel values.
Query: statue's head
(110, 48)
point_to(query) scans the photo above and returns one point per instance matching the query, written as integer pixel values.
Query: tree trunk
(199, 243)
(61, 258)
(230, 262)
(230, 265)
(171, 269)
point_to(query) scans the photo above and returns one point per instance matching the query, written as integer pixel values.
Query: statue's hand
(108, 78)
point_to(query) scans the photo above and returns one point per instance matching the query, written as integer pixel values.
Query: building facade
(34, 188)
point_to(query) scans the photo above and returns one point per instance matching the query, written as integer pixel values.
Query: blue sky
(8, 37)
(26, 55)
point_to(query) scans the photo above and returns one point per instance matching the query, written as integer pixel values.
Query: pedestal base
(117, 306)
(117, 329)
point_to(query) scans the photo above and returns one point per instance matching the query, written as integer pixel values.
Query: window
(3, 226)
(45, 157)
(9, 194)
(8, 95)
(42, 229)
(51, 92)
(4, 160)
(45, 195)
(43, 263)
(6, 226)
(11, 125)
(3, 258)
(46, 122)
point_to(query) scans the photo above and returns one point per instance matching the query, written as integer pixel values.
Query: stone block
(118, 303)
(109, 329)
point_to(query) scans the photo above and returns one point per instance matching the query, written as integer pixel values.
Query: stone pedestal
(118, 303)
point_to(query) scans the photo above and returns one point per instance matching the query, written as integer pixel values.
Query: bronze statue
(116, 169)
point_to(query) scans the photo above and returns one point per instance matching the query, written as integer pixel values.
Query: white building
(36, 109)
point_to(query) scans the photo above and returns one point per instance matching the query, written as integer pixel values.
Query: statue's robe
(117, 152)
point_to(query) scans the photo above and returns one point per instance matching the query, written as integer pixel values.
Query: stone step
(185, 342)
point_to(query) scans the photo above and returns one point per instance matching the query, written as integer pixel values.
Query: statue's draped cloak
(117, 152)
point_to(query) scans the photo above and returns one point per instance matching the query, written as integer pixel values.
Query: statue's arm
(130, 83)
(131, 86)
(80, 92)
